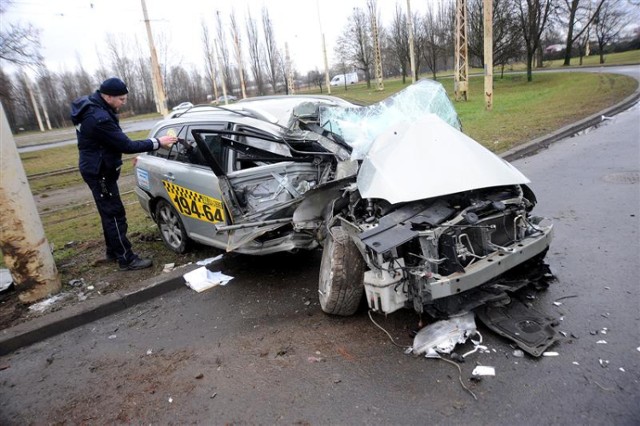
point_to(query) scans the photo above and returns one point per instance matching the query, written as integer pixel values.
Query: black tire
(341, 283)
(171, 228)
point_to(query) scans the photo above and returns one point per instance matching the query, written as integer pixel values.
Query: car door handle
(169, 176)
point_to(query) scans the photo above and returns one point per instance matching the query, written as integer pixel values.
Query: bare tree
(272, 55)
(506, 38)
(579, 14)
(56, 103)
(235, 35)
(432, 45)
(255, 53)
(533, 16)
(20, 45)
(223, 53)
(209, 63)
(144, 81)
(609, 22)
(355, 44)
(315, 78)
(117, 48)
(398, 41)
(446, 26)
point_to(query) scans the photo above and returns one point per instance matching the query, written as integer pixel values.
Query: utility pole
(236, 42)
(158, 87)
(412, 56)
(373, 10)
(224, 83)
(24, 245)
(488, 54)
(44, 109)
(215, 47)
(461, 72)
(33, 100)
(290, 85)
(324, 53)
(214, 77)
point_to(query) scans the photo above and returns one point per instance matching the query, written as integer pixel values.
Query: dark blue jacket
(101, 141)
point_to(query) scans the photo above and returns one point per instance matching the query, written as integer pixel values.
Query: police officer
(101, 143)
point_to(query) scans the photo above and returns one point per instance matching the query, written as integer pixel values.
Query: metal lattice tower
(461, 72)
(376, 44)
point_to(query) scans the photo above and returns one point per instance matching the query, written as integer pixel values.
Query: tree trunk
(572, 19)
(529, 66)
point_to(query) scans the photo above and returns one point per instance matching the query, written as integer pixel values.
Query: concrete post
(488, 54)
(23, 243)
(412, 56)
(161, 100)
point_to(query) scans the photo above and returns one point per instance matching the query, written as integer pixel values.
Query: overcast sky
(76, 30)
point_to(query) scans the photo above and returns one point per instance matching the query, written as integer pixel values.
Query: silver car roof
(268, 113)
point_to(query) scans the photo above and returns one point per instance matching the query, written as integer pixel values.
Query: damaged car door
(260, 190)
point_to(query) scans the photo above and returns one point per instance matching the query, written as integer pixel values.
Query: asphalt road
(260, 351)
(67, 136)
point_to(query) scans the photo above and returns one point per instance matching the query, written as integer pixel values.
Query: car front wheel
(341, 282)
(171, 227)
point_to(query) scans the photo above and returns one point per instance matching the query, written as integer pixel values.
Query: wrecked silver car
(408, 209)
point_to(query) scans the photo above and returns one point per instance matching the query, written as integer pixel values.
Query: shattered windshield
(359, 126)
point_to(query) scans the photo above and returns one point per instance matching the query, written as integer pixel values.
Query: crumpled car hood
(428, 158)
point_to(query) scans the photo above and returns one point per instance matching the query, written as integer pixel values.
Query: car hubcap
(170, 228)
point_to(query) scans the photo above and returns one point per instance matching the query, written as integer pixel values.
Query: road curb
(59, 322)
(543, 142)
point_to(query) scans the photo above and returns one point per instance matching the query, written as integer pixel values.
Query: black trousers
(113, 215)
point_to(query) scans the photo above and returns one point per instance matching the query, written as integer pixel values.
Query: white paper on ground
(483, 370)
(209, 260)
(202, 279)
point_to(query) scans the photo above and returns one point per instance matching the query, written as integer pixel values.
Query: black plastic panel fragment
(531, 330)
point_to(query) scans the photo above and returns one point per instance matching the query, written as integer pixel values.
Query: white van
(339, 80)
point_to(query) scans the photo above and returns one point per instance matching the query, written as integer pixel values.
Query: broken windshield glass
(359, 126)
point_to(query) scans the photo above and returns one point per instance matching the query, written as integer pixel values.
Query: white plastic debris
(518, 353)
(622, 369)
(78, 282)
(442, 336)
(638, 348)
(42, 306)
(5, 279)
(601, 342)
(205, 262)
(149, 351)
(575, 363)
(202, 279)
(170, 400)
(90, 287)
(113, 336)
(604, 330)
(557, 303)
(477, 346)
(168, 267)
(550, 354)
(483, 370)
(603, 362)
